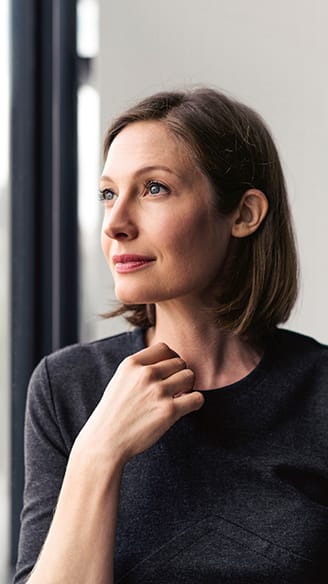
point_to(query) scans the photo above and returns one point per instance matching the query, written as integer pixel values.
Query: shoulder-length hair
(234, 149)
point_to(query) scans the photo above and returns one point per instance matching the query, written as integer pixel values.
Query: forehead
(147, 143)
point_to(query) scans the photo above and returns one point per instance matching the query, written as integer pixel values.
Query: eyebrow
(144, 170)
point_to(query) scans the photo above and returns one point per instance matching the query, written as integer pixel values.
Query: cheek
(176, 239)
(199, 241)
(189, 234)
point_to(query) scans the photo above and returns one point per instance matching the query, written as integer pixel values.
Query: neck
(217, 358)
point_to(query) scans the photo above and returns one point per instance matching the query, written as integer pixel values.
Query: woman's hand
(149, 392)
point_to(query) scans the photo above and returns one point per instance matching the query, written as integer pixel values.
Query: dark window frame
(43, 186)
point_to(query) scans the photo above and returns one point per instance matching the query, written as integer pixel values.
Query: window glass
(96, 287)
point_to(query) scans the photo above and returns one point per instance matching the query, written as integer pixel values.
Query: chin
(133, 297)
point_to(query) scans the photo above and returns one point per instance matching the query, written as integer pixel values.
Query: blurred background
(67, 67)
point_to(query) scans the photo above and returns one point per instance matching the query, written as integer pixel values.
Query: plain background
(272, 56)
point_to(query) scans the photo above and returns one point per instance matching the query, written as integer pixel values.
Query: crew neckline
(251, 379)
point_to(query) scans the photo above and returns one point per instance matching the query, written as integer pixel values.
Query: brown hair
(234, 149)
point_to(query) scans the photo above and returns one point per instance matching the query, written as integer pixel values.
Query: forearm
(81, 540)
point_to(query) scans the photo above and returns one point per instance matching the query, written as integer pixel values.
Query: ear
(251, 211)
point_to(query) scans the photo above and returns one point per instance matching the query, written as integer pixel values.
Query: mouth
(131, 262)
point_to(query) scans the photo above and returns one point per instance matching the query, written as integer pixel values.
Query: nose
(120, 221)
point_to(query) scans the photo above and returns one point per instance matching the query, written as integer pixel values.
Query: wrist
(95, 459)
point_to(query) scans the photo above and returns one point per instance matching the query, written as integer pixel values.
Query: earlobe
(251, 211)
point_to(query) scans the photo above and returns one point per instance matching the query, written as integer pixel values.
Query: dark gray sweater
(236, 492)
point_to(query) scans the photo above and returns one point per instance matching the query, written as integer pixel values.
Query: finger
(165, 369)
(180, 382)
(187, 403)
(154, 354)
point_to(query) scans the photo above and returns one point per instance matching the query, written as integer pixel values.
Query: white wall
(273, 56)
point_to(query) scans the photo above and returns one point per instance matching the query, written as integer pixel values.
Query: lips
(130, 262)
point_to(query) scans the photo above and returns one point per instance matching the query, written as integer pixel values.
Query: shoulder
(105, 353)
(294, 345)
(300, 362)
(91, 364)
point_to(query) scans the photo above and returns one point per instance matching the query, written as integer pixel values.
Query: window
(4, 291)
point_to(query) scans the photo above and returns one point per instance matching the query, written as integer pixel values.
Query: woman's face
(161, 235)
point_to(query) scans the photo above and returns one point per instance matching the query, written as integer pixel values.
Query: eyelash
(156, 183)
(102, 195)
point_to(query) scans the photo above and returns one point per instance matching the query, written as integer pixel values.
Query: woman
(192, 448)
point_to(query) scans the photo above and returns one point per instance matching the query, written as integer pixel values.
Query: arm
(80, 543)
(137, 408)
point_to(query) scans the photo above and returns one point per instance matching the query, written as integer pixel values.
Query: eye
(156, 188)
(106, 195)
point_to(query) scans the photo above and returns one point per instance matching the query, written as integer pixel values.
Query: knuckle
(148, 374)
(168, 410)
(133, 359)
(160, 390)
(127, 362)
